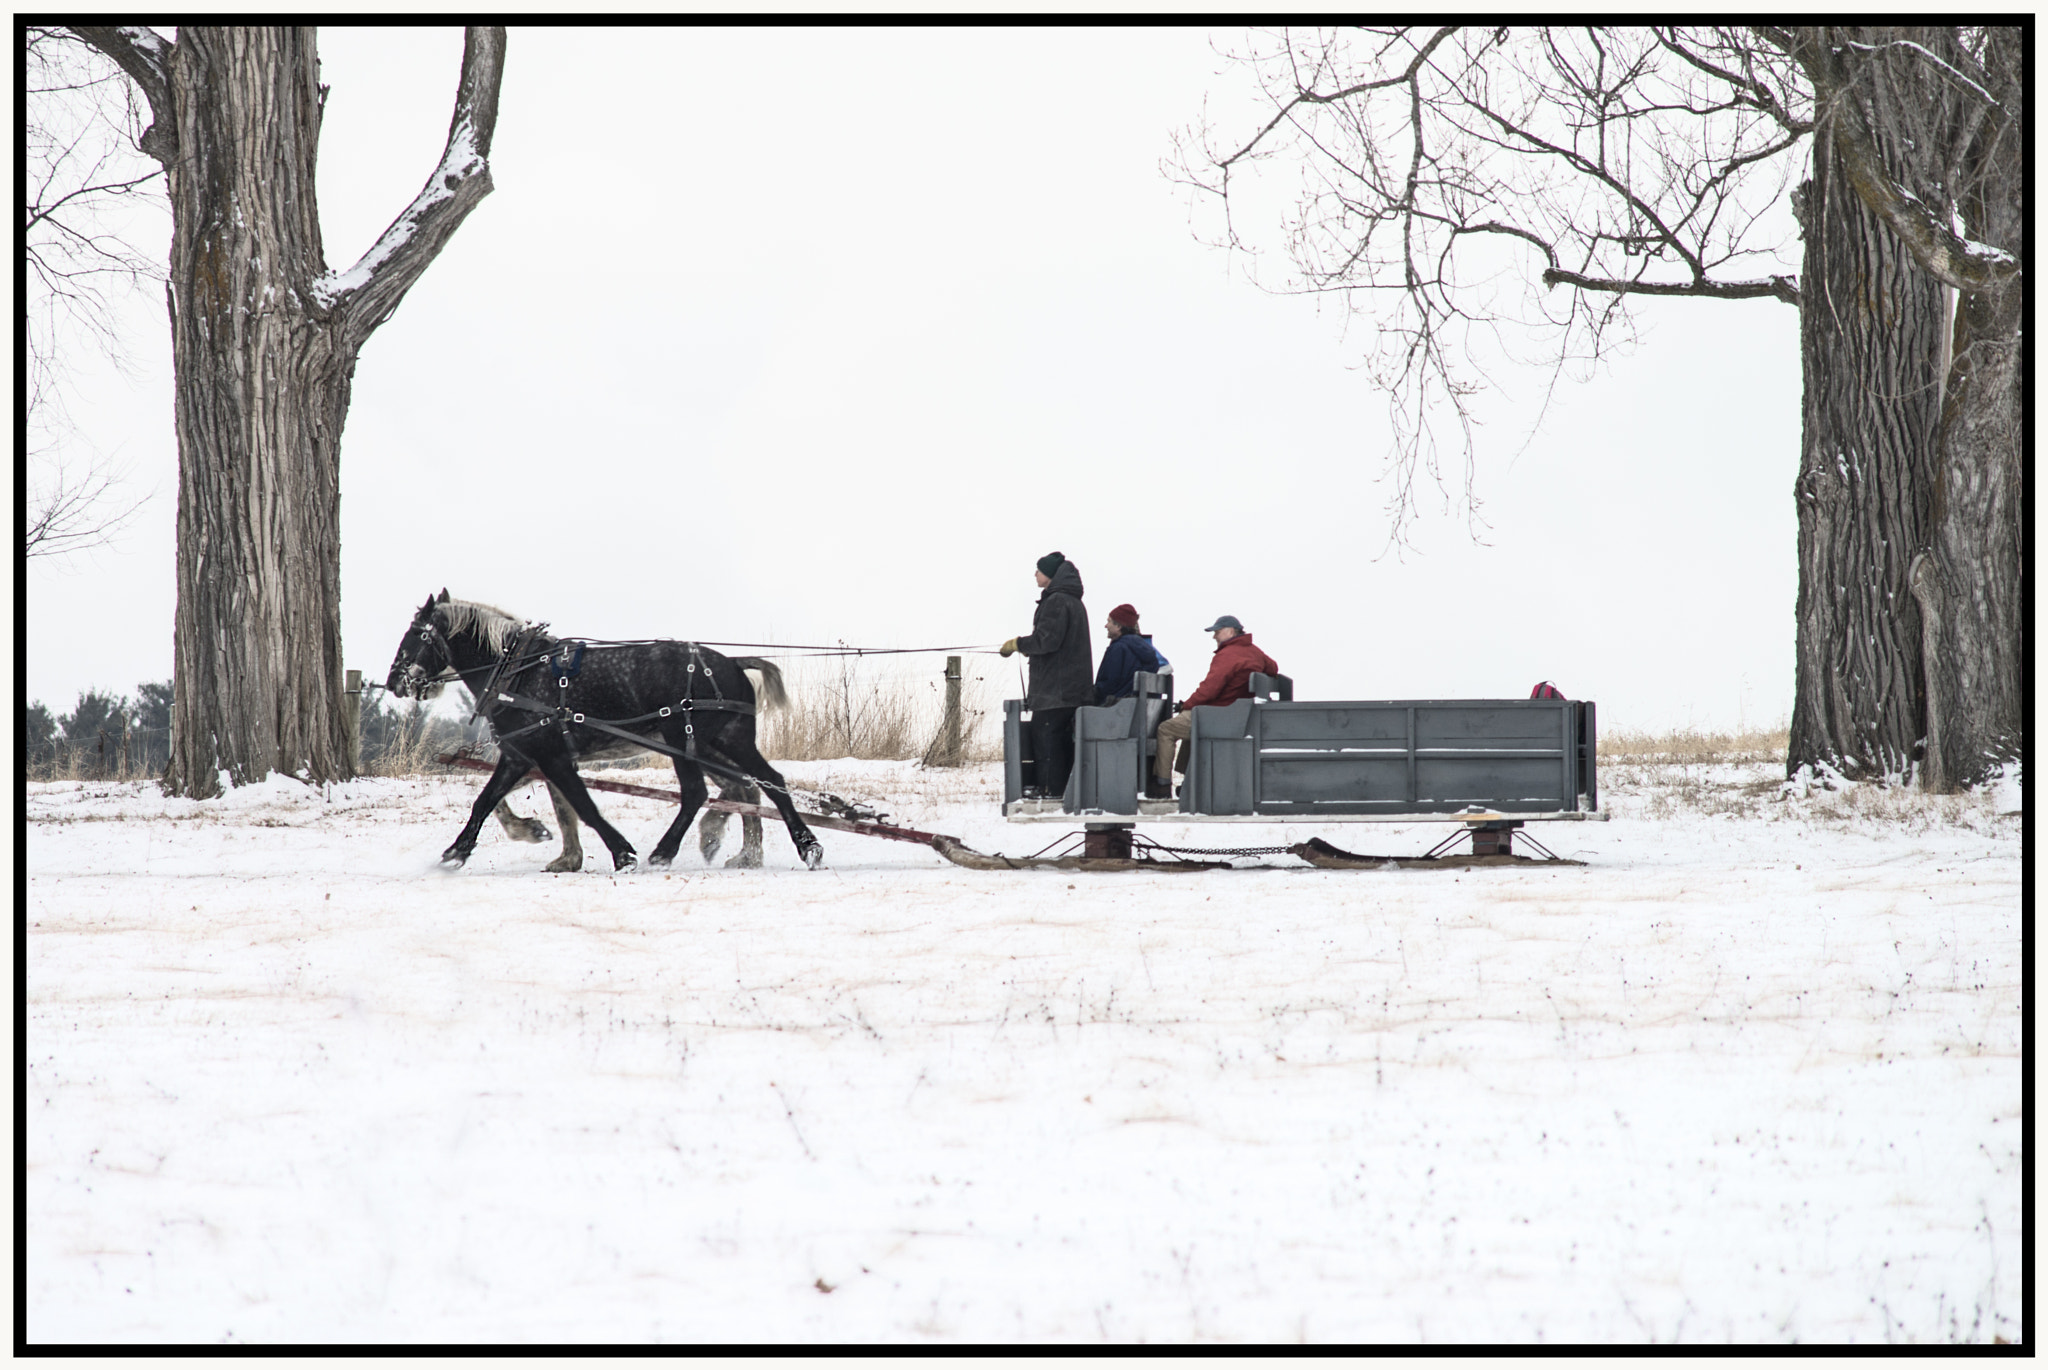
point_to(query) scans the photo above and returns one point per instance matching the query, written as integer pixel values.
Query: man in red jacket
(1229, 680)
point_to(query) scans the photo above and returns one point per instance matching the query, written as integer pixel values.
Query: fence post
(352, 718)
(949, 732)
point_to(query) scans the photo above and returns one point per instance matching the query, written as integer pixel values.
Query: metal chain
(1150, 845)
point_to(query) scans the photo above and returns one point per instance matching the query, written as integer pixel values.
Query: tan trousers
(1173, 735)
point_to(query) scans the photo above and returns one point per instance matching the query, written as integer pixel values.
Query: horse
(679, 697)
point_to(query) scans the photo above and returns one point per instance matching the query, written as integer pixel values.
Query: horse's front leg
(509, 773)
(561, 773)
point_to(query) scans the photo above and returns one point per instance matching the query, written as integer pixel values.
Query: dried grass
(1692, 747)
(852, 707)
(417, 738)
(1741, 775)
(85, 765)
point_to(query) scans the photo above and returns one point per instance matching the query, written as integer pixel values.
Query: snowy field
(1750, 1074)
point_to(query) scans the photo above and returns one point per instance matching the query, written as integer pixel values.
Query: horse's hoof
(744, 861)
(540, 832)
(659, 862)
(814, 856)
(624, 860)
(563, 865)
(455, 858)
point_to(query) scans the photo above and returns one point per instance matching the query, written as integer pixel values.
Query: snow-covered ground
(1750, 1074)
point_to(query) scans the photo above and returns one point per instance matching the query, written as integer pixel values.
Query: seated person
(1229, 680)
(1128, 653)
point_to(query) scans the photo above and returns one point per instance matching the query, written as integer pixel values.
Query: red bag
(1546, 690)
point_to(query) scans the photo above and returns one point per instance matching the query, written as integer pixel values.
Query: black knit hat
(1050, 563)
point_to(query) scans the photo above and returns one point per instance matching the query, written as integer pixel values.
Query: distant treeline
(105, 735)
(110, 736)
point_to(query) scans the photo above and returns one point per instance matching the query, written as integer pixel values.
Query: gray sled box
(1272, 755)
(1393, 756)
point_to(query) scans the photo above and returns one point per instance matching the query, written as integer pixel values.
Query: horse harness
(564, 665)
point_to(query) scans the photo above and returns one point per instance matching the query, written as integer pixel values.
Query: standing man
(1128, 653)
(1229, 680)
(1062, 669)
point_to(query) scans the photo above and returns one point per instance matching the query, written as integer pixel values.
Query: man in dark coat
(1128, 653)
(1062, 669)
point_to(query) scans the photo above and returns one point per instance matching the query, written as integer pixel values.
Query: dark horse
(684, 696)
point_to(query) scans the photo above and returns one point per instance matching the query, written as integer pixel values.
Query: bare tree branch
(1941, 252)
(70, 513)
(142, 53)
(81, 174)
(1441, 166)
(367, 293)
(1784, 288)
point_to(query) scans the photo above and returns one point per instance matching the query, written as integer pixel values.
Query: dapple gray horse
(710, 827)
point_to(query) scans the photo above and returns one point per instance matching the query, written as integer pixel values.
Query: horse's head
(420, 669)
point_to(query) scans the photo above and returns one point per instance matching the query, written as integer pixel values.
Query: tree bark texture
(264, 346)
(1969, 580)
(1934, 154)
(1870, 333)
(261, 393)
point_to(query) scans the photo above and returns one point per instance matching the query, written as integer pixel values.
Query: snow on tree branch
(1784, 288)
(1927, 231)
(143, 54)
(367, 293)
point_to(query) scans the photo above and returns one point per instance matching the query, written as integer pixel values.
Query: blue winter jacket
(1125, 657)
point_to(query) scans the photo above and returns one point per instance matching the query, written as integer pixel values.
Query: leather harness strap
(562, 717)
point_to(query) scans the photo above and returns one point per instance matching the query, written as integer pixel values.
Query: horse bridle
(416, 676)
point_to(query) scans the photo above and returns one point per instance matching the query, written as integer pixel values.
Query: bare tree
(1450, 179)
(1926, 124)
(82, 178)
(74, 511)
(265, 340)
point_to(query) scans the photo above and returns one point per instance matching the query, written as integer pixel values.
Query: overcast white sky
(806, 335)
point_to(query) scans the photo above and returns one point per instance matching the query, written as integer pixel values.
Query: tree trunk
(264, 341)
(1870, 325)
(1969, 580)
(262, 390)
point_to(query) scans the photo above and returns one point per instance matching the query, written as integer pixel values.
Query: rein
(787, 649)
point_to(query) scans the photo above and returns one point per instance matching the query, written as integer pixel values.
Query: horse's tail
(769, 689)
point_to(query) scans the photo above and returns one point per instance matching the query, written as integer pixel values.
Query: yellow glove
(1010, 647)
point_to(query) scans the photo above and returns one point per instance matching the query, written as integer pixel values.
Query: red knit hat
(1124, 615)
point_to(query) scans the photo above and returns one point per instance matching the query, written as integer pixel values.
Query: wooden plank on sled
(1322, 855)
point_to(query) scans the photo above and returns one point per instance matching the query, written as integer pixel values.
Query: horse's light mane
(487, 621)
